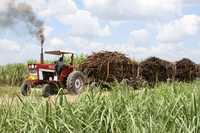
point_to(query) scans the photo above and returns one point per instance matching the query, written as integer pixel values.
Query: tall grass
(77, 59)
(12, 74)
(169, 108)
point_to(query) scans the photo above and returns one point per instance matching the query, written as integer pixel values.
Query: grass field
(168, 108)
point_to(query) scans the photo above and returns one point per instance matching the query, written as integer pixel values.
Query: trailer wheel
(25, 89)
(75, 82)
(49, 89)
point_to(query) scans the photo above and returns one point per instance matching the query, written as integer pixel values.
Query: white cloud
(133, 9)
(115, 24)
(56, 41)
(3, 4)
(87, 46)
(52, 8)
(84, 24)
(58, 8)
(9, 46)
(191, 2)
(177, 30)
(84, 45)
(139, 37)
(15, 52)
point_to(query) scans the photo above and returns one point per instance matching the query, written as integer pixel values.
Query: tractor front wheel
(25, 89)
(49, 89)
(75, 81)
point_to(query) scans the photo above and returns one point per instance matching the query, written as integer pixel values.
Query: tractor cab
(62, 69)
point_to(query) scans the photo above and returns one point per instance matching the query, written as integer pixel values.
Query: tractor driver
(59, 65)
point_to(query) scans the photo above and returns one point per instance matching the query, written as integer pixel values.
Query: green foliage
(77, 59)
(169, 108)
(32, 62)
(12, 74)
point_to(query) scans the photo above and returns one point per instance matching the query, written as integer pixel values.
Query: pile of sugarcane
(109, 66)
(114, 66)
(185, 70)
(154, 69)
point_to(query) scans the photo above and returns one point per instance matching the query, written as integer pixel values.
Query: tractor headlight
(55, 78)
(31, 66)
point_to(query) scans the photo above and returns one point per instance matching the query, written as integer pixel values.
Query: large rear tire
(49, 89)
(25, 89)
(76, 82)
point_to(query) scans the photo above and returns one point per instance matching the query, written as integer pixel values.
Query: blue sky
(139, 28)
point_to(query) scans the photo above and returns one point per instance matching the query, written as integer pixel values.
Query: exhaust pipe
(42, 49)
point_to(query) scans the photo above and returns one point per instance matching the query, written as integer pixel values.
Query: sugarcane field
(99, 66)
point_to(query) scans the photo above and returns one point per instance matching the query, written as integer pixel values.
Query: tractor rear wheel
(76, 81)
(49, 89)
(25, 89)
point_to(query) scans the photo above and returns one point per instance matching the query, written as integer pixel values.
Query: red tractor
(54, 76)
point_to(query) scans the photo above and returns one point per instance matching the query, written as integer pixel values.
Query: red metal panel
(65, 72)
(45, 66)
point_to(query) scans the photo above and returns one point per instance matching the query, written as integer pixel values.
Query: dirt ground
(12, 94)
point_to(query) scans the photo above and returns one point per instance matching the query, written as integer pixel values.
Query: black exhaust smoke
(14, 13)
